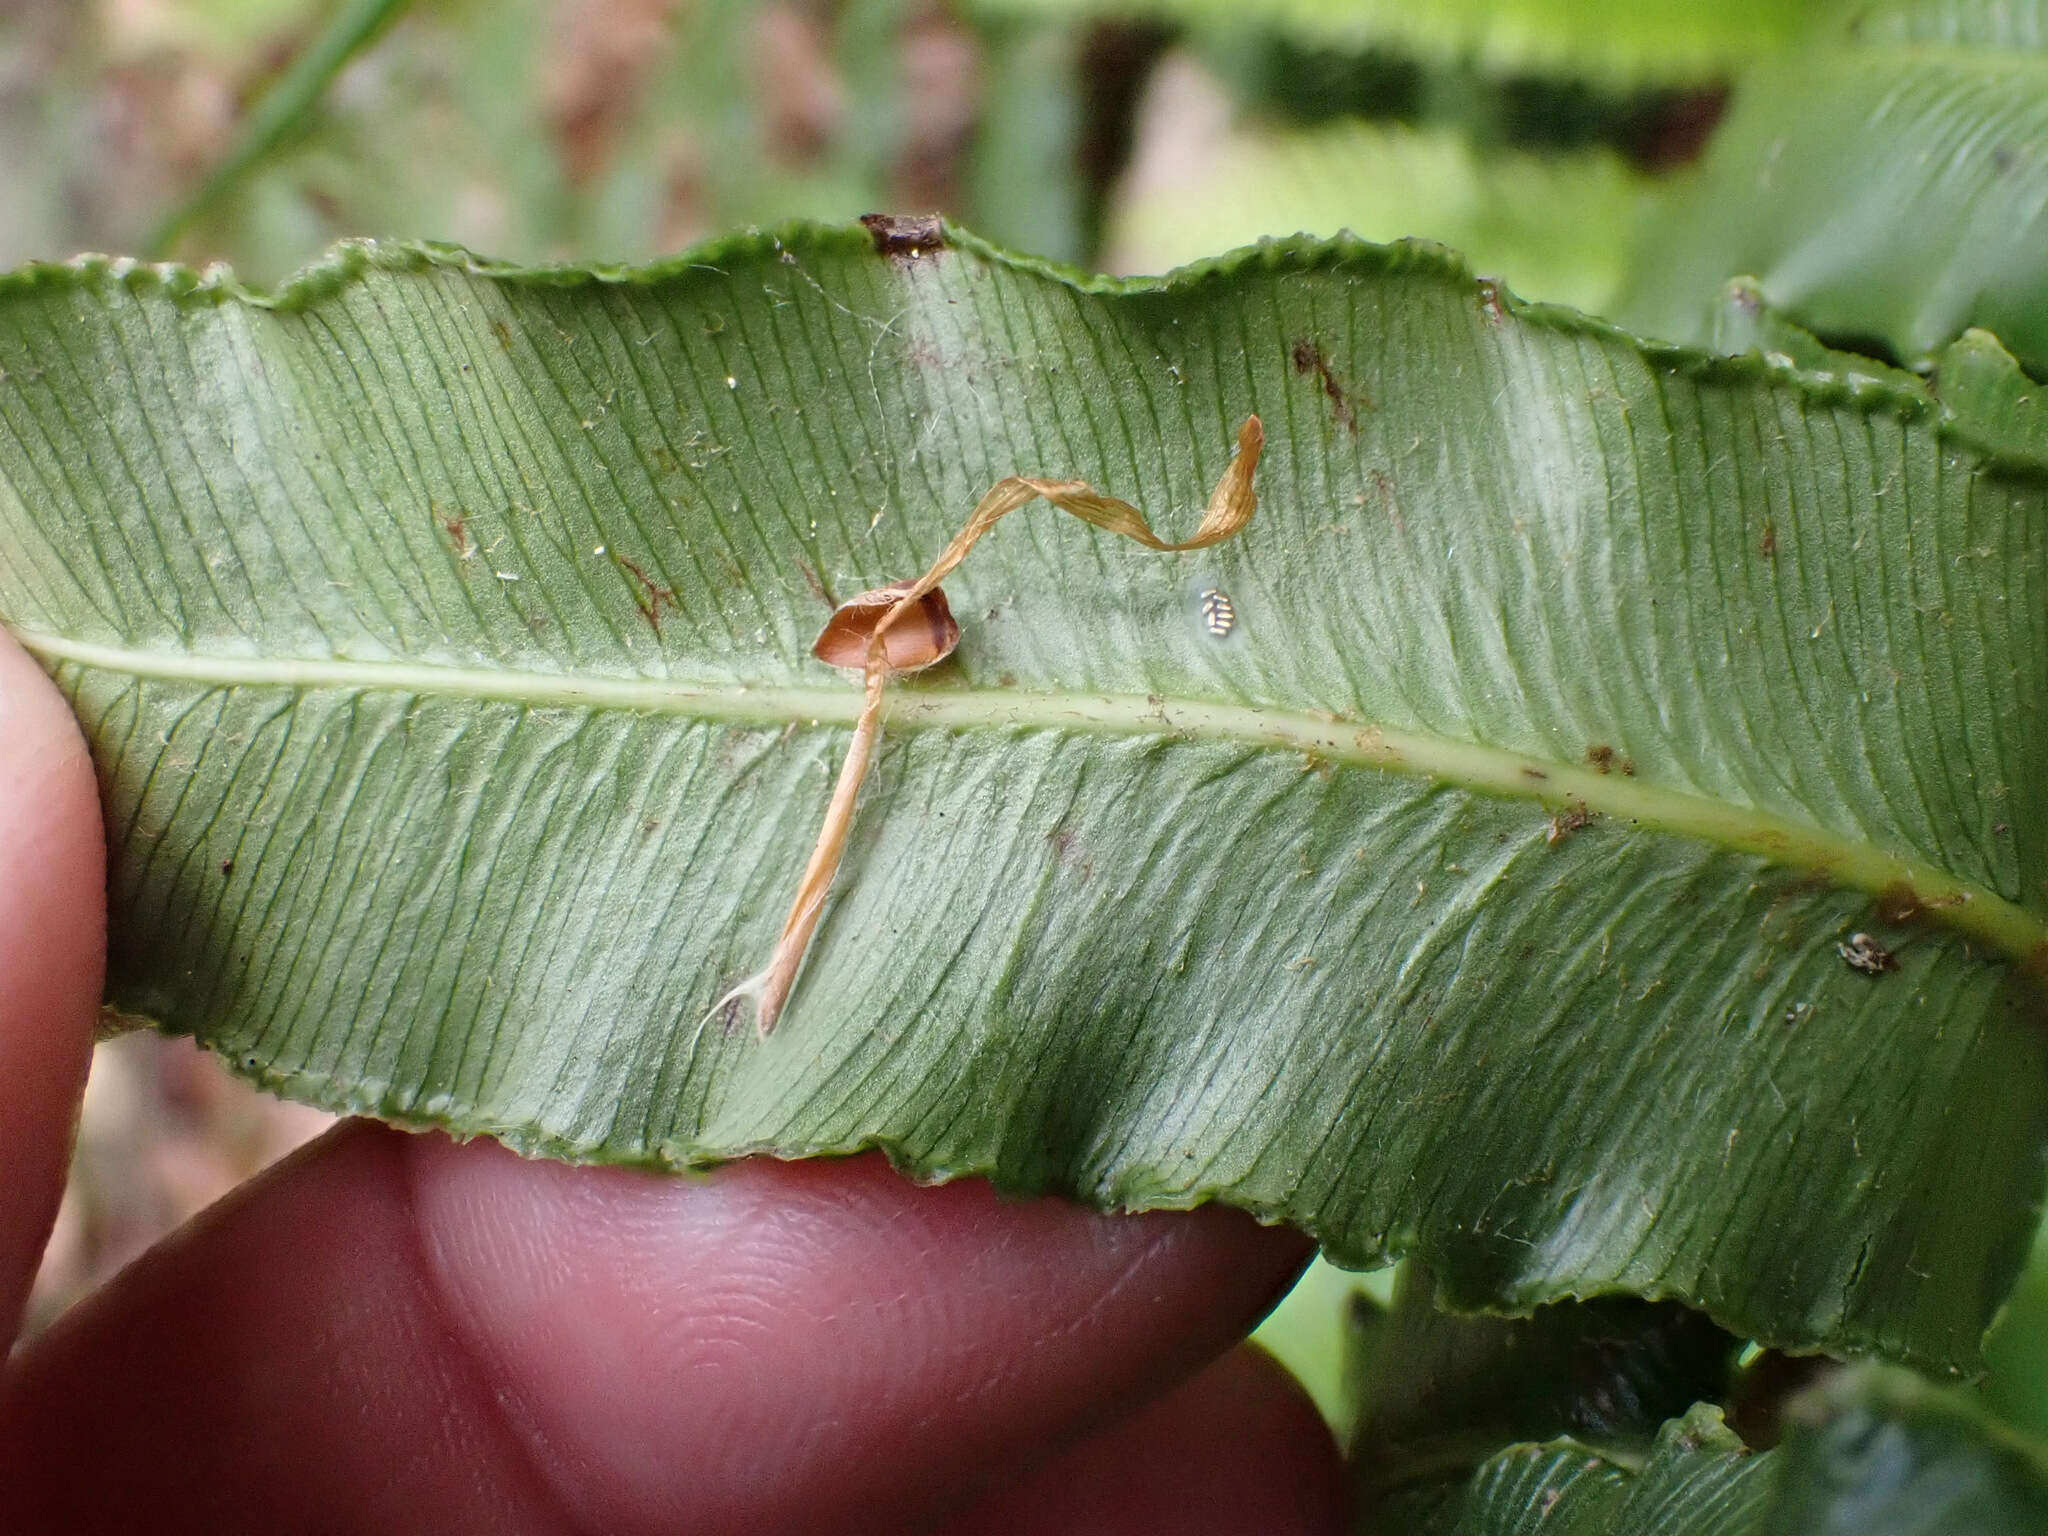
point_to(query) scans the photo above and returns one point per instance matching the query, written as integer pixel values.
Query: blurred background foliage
(1124, 137)
(1882, 173)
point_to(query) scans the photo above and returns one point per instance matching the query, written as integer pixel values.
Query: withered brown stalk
(864, 632)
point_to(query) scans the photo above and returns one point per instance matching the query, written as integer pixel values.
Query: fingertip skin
(1238, 1447)
(52, 956)
(397, 1332)
(277, 1364)
(821, 1336)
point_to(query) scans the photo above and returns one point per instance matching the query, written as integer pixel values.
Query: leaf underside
(1604, 1417)
(1433, 1394)
(1698, 1480)
(441, 632)
(1887, 188)
(1874, 1451)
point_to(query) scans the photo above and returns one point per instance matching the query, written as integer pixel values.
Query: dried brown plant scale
(909, 647)
(862, 633)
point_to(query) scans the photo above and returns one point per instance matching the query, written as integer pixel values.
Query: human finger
(394, 1331)
(1238, 1447)
(52, 954)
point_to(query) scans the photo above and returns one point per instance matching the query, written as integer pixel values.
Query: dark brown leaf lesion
(1309, 361)
(649, 595)
(1574, 816)
(456, 526)
(1898, 904)
(905, 235)
(820, 588)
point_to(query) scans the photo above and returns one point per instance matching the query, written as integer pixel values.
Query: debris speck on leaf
(1863, 953)
(1566, 822)
(907, 235)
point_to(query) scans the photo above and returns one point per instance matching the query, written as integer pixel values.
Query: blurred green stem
(351, 26)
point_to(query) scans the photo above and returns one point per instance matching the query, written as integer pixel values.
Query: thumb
(52, 954)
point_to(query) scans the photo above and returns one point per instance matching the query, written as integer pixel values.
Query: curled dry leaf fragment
(907, 626)
(926, 636)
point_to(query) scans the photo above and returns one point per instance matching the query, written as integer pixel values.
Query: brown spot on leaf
(1898, 903)
(651, 596)
(1566, 822)
(1308, 359)
(906, 236)
(1601, 756)
(1066, 848)
(227, 866)
(816, 583)
(1383, 488)
(1770, 542)
(1534, 773)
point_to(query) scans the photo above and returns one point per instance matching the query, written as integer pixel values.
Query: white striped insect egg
(1219, 614)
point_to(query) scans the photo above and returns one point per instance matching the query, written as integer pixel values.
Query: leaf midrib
(1564, 789)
